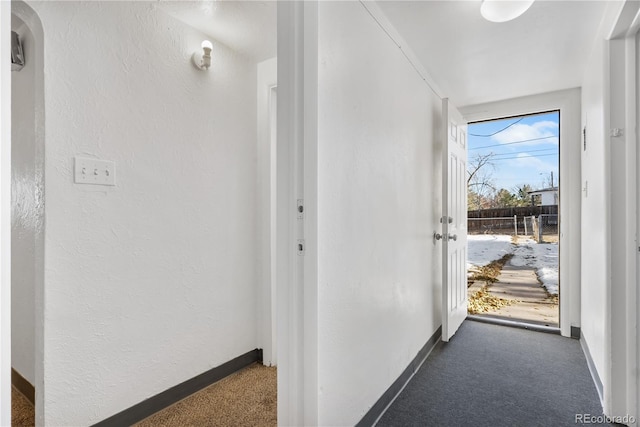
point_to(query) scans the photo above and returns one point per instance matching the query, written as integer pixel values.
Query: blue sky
(526, 149)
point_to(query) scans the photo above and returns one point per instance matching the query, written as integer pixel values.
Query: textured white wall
(379, 275)
(150, 282)
(27, 211)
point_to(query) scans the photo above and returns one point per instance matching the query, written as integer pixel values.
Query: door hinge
(300, 209)
(301, 247)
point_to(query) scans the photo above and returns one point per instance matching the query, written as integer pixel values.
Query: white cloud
(525, 170)
(528, 162)
(524, 132)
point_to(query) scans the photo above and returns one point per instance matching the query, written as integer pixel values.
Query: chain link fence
(543, 228)
(546, 228)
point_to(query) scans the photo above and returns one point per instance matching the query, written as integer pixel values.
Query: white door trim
(568, 102)
(296, 272)
(5, 213)
(266, 229)
(621, 379)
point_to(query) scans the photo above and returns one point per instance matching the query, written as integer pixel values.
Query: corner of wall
(33, 214)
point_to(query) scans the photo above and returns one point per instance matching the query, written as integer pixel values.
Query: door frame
(620, 381)
(266, 218)
(5, 213)
(297, 179)
(568, 103)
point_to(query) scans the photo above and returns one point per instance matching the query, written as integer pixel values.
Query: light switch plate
(96, 172)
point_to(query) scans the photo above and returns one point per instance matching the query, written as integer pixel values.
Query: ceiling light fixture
(504, 10)
(202, 60)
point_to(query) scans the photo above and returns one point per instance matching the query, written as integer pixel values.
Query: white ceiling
(472, 60)
(248, 27)
(475, 61)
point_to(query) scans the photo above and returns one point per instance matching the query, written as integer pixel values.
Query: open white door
(454, 221)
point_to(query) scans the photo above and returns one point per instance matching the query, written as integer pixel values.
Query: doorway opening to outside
(513, 219)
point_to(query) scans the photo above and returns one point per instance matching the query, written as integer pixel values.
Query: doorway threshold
(514, 324)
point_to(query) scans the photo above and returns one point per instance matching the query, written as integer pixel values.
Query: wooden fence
(510, 212)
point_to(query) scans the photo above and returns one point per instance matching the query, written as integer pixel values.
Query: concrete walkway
(533, 306)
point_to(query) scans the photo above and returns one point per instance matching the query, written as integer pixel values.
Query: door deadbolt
(449, 219)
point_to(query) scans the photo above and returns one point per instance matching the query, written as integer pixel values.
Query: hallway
(490, 375)
(293, 196)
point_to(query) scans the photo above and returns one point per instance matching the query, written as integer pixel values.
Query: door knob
(453, 237)
(437, 236)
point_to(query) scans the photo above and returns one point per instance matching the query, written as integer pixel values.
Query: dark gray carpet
(490, 375)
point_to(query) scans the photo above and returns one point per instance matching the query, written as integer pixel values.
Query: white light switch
(92, 171)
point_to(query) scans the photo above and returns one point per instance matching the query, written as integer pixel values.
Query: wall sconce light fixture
(202, 60)
(504, 10)
(17, 54)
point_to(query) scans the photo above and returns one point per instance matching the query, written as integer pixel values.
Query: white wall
(594, 215)
(150, 282)
(379, 271)
(610, 202)
(27, 209)
(549, 198)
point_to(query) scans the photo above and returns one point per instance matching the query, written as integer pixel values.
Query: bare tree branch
(477, 163)
(480, 183)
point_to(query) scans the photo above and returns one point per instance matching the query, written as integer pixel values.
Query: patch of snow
(542, 257)
(484, 248)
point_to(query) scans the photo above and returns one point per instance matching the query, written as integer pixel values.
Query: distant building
(544, 197)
